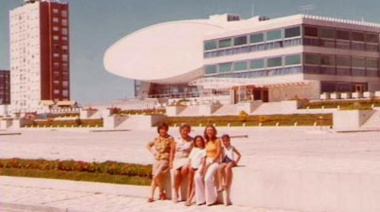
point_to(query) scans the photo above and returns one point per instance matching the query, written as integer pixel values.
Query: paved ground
(300, 149)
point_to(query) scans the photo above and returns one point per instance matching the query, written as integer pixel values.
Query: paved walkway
(265, 151)
(44, 195)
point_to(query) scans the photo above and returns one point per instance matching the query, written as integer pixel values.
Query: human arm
(149, 146)
(172, 153)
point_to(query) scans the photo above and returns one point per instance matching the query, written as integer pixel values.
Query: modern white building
(299, 56)
(39, 54)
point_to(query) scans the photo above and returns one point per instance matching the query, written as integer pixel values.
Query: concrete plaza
(282, 168)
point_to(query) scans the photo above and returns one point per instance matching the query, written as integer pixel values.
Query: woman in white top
(181, 151)
(196, 159)
(228, 162)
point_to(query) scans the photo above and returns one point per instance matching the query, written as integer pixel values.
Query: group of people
(198, 159)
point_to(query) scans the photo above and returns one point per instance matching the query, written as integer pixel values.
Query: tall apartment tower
(5, 95)
(39, 54)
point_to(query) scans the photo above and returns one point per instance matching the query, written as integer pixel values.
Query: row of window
(315, 64)
(286, 33)
(261, 73)
(261, 37)
(254, 48)
(256, 64)
(340, 34)
(359, 72)
(341, 61)
(341, 44)
(299, 69)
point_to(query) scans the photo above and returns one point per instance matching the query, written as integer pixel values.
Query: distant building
(5, 94)
(39, 54)
(298, 56)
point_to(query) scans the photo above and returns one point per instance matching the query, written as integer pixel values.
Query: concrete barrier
(308, 191)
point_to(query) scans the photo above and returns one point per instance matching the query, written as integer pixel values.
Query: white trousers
(205, 189)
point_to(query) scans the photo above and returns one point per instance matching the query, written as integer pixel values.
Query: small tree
(243, 116)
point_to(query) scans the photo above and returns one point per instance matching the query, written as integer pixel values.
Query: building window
(311, 59)
(209, 45)
(358, 62)
(64, 13)
(65, 84)
(225, 67)
(55, 28)
(64, 22)
(326, 33)
(65, 93)
(55, 37)
(344, 61)
(256, 38)
(211, 69)
(274, 35)
(342, 35)
(372, 63)
(240, 40)
(292, 32)
(64, 31)
(357, 36)
(328, 60)
(293, 59)
(55, 10)
(225, 43)
(240, 66)
(56, 91)
(311, 31)
(65, 57)
(56, 20)
(256, 64)
(273, 62)
(372, 38)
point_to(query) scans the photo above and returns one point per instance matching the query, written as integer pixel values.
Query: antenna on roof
(253, 8)
(306, 9)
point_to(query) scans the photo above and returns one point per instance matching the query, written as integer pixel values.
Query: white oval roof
(171, 52)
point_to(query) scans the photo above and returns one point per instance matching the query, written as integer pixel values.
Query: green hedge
(67, 123)
(262, 120)
(108, 167)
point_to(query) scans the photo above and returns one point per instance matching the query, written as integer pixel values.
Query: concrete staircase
(226, 110)
(268, 108)
(192, 110)
(373, 122)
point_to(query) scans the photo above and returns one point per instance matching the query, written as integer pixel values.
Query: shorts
(226, 159)
(159, 166)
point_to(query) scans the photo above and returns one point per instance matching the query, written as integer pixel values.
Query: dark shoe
(150, 200)
(214, 203)
(162, 196)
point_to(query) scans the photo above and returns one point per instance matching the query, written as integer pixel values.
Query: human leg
(221, 175)
(228, 174)
(190, 183)
(210, 184)
(160, 173)
(199, 187)
(176, 183)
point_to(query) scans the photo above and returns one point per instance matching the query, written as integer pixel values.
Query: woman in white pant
(205, 188)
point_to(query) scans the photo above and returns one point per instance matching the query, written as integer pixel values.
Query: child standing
(228, 162)
(196, 158)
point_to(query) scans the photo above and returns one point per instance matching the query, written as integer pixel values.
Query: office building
(298, 56)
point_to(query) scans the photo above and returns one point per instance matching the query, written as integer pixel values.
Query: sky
(96, 24)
